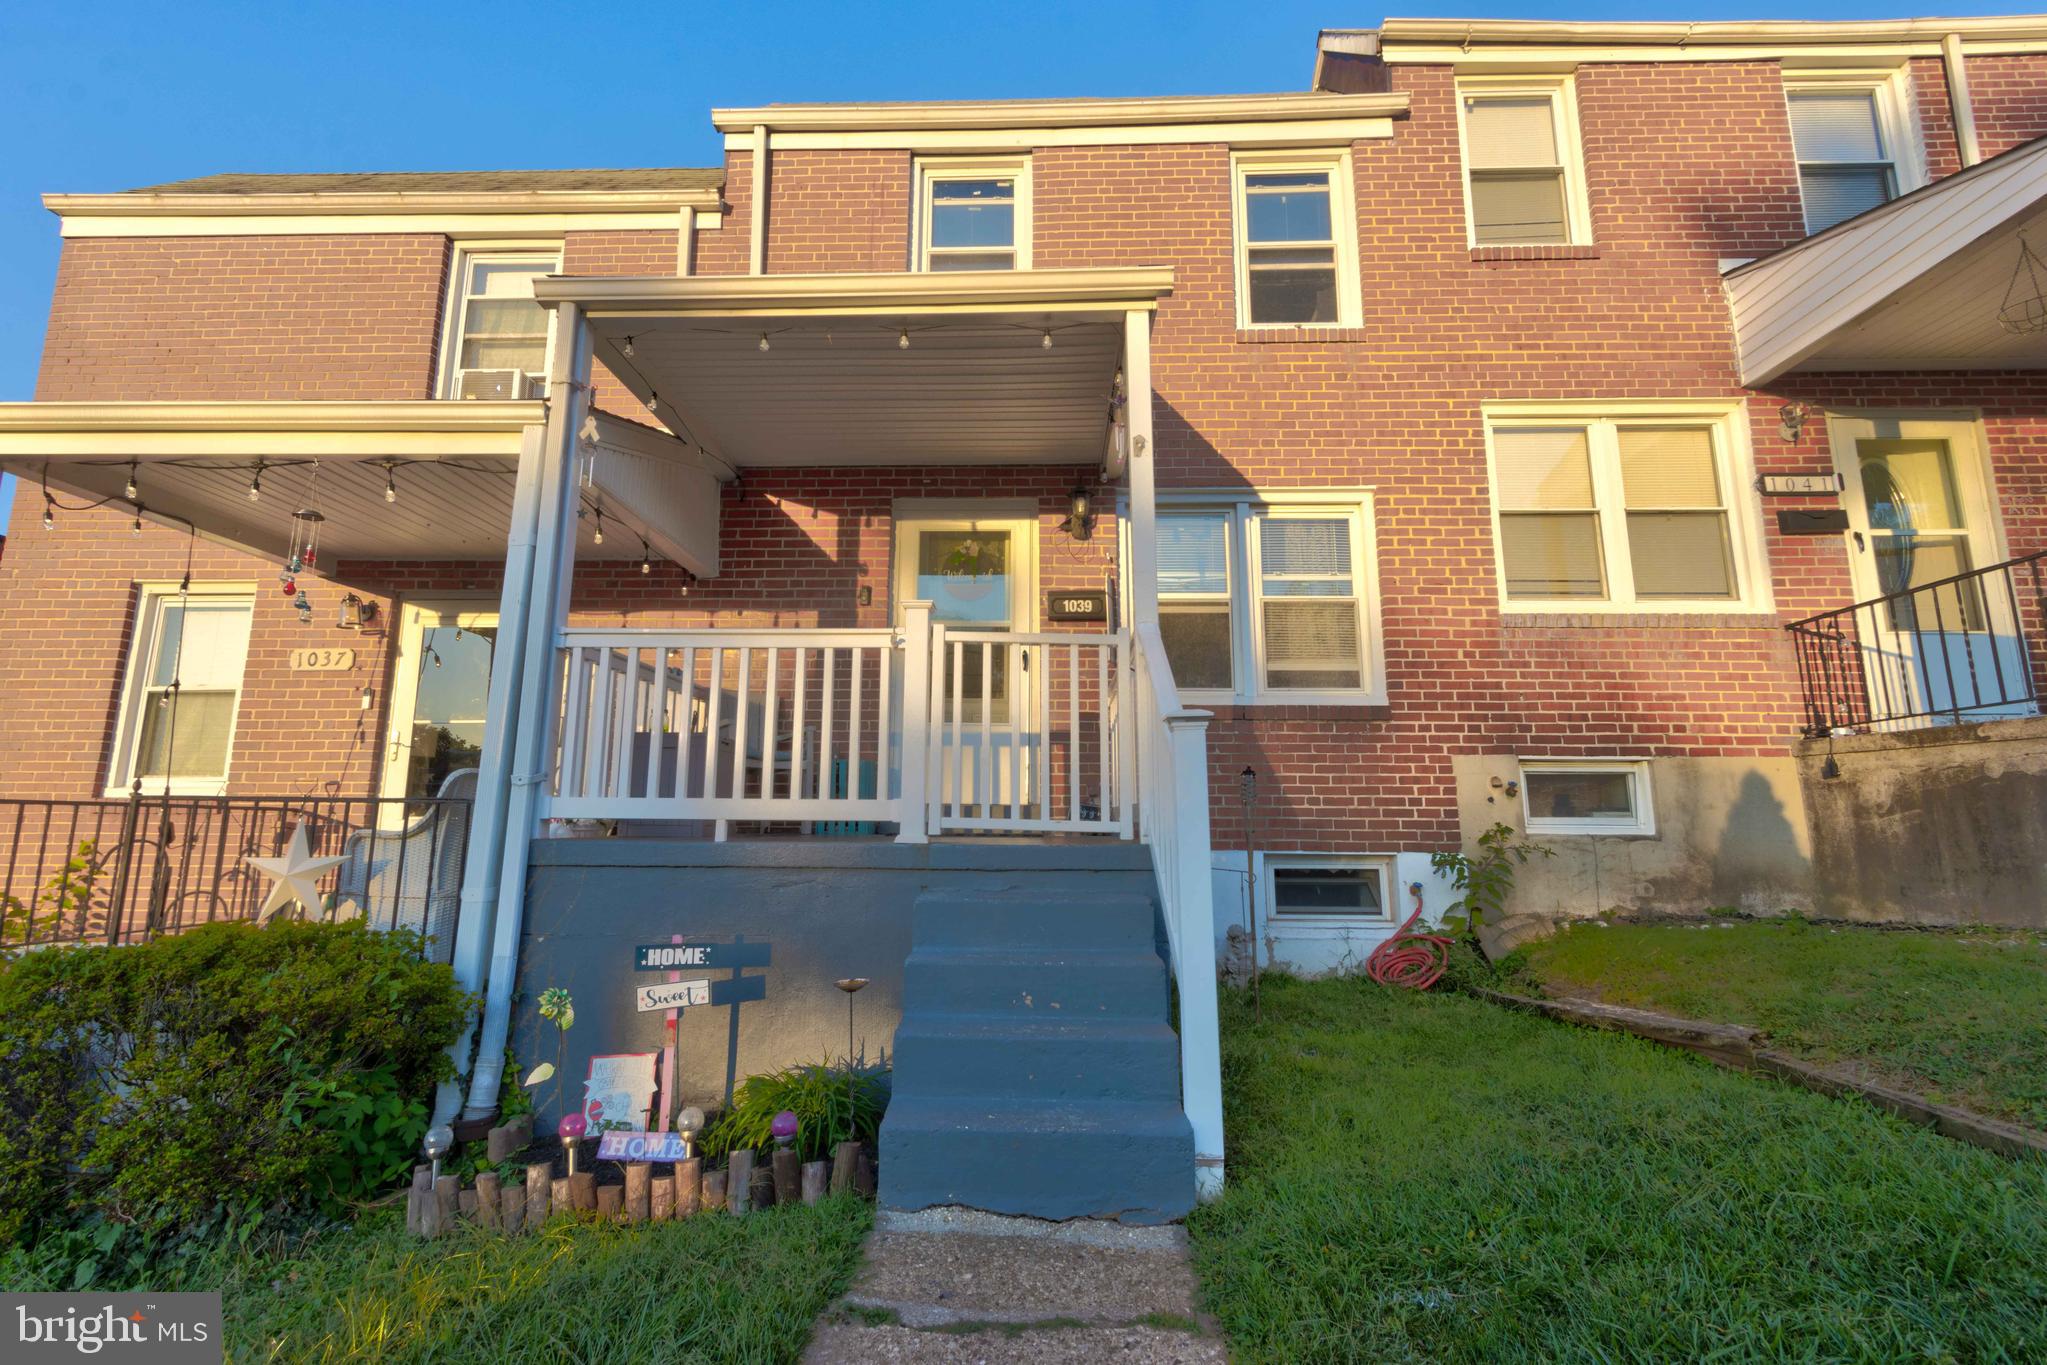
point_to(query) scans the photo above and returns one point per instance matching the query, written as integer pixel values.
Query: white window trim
(467, 253)
(1247, 649)
(932, 170)
(1270, 918)
(1640, 789)
(1735, 465)
(1342, 224)
(121, 757)
(1562, 92)
(1897, 113)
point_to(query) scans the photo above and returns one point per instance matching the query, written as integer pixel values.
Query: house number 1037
(323, 660)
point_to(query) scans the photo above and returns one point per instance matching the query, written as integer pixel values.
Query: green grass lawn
(712, 1288)
(1961, 1016)
(1434, 1178)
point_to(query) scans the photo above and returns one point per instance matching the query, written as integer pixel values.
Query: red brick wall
(619, 253)
(2009, 97)
(861, 199)
(245, 317)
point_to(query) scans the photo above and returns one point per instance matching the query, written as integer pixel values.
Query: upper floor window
(498, 337)
(1268, 603)
(1524, 176)
(973, 215)
(1854, 143)
(1297, 240)
(1615, 510)
(183, 687)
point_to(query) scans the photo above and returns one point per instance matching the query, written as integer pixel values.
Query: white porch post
(916, 726)
(1193, 907)
(493, 779)
(526, 739)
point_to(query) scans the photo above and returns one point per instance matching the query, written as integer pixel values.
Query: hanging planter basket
(2024, 311)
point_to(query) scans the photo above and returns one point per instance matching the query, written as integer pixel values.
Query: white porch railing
(1172, 757)
(935, 731)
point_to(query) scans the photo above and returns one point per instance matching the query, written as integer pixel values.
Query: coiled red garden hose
(1412, 961)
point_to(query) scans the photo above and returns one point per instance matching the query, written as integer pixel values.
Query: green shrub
(231, 1068)
(819, 1097)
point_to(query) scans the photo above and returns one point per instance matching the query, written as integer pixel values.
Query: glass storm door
(1921, 514)
(979, 574)
(439, 690)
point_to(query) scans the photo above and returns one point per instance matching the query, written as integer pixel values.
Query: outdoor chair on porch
(411, 877)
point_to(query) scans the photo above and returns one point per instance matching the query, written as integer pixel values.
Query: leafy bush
(232, 1068)
(819, 1097)
(1485, 879)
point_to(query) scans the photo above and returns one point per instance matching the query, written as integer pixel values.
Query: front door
(440, 685)
(1922, 515)
(979, 572)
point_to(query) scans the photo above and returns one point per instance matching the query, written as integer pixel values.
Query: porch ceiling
(975, 385)
(1914, 285)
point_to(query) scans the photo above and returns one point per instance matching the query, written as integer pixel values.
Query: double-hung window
(1621, 511)
(1268, 603)
(184, 683)
(1297, 240)
(498, 336)
(1854, 145)
(1524, 176)
(973, 214)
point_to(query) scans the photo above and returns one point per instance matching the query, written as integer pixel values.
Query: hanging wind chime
(2024, 310)
(305, 549)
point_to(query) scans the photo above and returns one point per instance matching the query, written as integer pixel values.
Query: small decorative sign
(739, 990)
(673, 995)
(1090, 605)
(669, 957)
(322, 660)
(1800, 483)
(619, 1092)
(623, 1146)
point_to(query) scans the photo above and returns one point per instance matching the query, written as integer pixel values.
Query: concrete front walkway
(958, 1285)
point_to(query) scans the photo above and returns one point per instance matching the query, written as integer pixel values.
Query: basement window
(1593, 796)
(1326, 889)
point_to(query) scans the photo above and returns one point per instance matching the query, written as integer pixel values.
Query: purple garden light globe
(572, 1127)
(784, 1127)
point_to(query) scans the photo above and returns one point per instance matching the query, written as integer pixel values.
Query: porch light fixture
(764, 341)
(355, 613)
(646, 556)
(390, 481)
(131, 491)
(599, 537)
(1080, 513)
(256, 483)
(1047, 342)
(49, 511)
(1791, 421)
(903, 339)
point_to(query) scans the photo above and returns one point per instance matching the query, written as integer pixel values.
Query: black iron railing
(1965, 647)
(127, 870)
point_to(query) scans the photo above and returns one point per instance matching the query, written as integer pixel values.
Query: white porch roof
(454, 466)
(1916, 284)
(976, 383)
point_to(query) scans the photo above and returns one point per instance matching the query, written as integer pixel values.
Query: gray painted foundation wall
(830, 908)
(1943, 825)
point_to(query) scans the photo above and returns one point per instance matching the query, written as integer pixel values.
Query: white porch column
(1185, 805)
(916, 726)
(527, 738)
(1143, 531)
(474, 923)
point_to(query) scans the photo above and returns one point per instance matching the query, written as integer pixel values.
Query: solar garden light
(784, 1129)
(689, 1123)
(440, 1140)
(571, 1130)
(849, 985)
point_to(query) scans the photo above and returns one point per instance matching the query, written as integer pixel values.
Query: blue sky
(117, 93)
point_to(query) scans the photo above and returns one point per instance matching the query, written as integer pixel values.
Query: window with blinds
(1520, 162)
(974, 214)
(1845, 163)
(1615, 511)
(1296, 243)
(498, 333)
(185, 679)
(1308, 604)
(1194, 599)
(1267, 602)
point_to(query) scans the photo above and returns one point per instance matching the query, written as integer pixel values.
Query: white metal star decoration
(293, 877)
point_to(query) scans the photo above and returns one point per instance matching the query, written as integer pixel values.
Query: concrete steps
(1035, 1073)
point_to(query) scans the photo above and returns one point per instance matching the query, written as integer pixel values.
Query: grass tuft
(1426, 1177)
